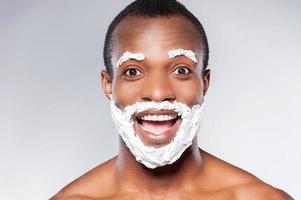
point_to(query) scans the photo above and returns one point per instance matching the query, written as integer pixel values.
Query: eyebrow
(130, 56)
(182, 52)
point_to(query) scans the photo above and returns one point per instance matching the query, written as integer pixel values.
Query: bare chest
(177, 196)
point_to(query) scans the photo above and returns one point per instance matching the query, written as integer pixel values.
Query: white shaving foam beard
(149, 156)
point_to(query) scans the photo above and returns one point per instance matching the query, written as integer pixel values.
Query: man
(156, 77)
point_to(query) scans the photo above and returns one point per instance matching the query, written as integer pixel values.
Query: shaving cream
(149, 156)
(182, 52)
(128, 56)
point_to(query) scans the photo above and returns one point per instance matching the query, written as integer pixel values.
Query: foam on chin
(153, 157)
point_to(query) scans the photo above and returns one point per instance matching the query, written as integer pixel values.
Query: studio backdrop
(55, 122)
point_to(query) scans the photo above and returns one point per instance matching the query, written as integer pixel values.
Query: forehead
(154, 35)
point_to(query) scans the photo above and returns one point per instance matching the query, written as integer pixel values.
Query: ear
(106, 81)
(206, 81)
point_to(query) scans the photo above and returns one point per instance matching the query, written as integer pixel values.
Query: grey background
(54, 119)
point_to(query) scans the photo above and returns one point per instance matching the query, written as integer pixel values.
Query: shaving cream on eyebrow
(128, 56)
(182, 52)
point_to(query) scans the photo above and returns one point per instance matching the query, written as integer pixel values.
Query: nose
(158, 88)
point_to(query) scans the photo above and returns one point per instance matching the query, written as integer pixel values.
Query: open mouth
(157, 124)
(157, 127)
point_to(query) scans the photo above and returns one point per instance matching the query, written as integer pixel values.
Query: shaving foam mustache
(153, 157)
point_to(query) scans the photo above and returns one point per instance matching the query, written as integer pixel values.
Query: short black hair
(153, 8)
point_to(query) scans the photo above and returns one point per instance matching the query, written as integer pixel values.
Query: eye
(132, 72)
(182, 70)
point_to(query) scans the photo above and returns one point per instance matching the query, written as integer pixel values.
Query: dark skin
(197, 174)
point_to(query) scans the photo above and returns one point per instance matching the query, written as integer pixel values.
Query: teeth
(158, 117)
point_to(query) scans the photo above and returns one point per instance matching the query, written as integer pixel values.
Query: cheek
(189, 92)
(125, 93)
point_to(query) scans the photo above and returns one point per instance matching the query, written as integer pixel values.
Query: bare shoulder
(94, 184)
(230, 179)
(72, 197)
(260, 191)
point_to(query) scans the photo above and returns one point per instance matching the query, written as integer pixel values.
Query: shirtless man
(156, 77)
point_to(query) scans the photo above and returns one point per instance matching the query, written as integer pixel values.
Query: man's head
(154, 9)
(156, 53)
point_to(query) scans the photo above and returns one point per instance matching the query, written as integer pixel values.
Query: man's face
(157, 77)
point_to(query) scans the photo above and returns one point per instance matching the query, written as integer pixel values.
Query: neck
(161, 180)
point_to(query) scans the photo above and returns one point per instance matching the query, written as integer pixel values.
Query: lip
(155, 140)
